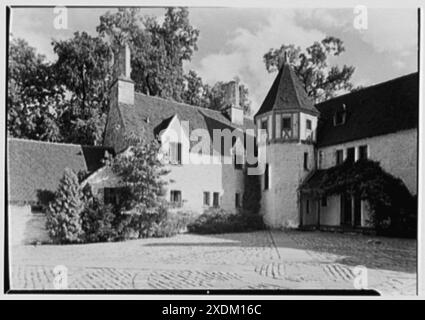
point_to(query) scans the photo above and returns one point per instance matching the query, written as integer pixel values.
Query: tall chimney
(232, 102)
(122, 89)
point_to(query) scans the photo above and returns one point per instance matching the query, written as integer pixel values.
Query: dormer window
(340, 116)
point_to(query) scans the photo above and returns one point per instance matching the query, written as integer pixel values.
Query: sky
(233, 41)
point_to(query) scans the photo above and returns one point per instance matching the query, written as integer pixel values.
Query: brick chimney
(232, 102)
(122, 89)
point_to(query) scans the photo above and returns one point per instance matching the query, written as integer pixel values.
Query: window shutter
(179, 153)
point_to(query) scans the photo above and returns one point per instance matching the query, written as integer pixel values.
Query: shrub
(219, 221)
(174, 223)
(63, 215)
(97, 219)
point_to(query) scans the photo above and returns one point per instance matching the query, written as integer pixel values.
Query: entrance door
(346, 210)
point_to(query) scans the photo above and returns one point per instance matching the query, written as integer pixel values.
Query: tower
(290, 119)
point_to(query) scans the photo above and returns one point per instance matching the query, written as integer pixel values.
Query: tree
(199, 94)
(140, 171)
(83, 70)
(195, 92)
(320, 80)
(63, 216)
(32, 95)
(158, 50)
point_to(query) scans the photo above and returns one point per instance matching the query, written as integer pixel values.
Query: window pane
(308, 124)
(350, 155)
(363, 152)
(216, 199)
(206, 198)
(286, 123)
(266, 177)
(339, 156)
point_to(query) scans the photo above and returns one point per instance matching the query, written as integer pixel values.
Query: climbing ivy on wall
(393, 207)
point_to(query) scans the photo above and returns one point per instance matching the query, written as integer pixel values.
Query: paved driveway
(256, 260)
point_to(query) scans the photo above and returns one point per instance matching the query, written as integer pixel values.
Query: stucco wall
(26, 227)
(280, 204)
(309, 217)
(304, 132)
(330, 215)
(396, 153)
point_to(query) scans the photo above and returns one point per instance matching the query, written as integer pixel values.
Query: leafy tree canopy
(311, 65)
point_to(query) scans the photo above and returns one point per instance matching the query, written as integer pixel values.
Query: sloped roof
(380, 109)
(35, 167)
(149, 115)
(287, 93)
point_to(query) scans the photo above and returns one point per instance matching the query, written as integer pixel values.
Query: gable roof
(149, 115)
(380, 109)
(287, 93)
(35, 167)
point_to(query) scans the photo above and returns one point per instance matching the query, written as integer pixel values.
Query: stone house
(303, 141)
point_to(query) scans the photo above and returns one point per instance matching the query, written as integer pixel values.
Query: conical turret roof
(287, 93)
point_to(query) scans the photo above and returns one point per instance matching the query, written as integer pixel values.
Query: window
(206, 198)
(286, 123)
(339, 118)
(238, 161)
(324, 201)
(362, 152)
(339, 156)
(350, 155)
(305, 160)
(216, 199)
(176, 198)
(266, 177)
(111, 196)
(307, 206)
(176, 152)
(308, 124)
(238, 200)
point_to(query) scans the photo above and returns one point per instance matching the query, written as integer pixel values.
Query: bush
(97, 219)
(174, 223)
(63, 215)
(219, 221)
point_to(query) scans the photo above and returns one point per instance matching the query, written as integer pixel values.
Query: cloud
(242, 55)
(390, 32)
(393, 30)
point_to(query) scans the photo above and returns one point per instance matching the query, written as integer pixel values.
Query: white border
(220, 3)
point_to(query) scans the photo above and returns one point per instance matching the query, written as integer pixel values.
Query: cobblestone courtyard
(257, 260)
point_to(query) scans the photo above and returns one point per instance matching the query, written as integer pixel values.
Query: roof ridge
(369, 87)
(173, 101)
(54, 143)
